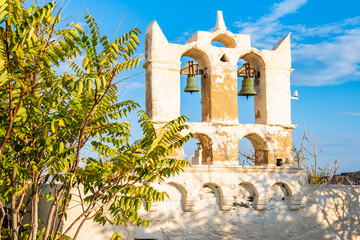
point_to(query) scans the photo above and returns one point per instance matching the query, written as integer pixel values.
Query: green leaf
(145, 223)
(85, 62)
(89, 85)
(4, 78)
(137, 205)
(61, 147)
(97, 83)
(80, 30)
(148, 205)
(103, 81)
(80, 87)
(53, 127)
(74, 34)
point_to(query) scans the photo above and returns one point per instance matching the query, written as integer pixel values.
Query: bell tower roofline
(220, 24)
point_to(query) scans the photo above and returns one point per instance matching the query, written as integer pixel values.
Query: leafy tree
(47, 118)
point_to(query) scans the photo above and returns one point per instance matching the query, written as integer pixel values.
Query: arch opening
(252, 109)
(190, 103)
(198, 150)
(252, 154)
(246, 155)
(198, 55)
(225, 40)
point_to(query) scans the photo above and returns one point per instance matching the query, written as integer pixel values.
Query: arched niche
(225, 39)
(246, 195)
(260, 148)
(182, 191)
(280, 196)
(211, 194)
(253, 109)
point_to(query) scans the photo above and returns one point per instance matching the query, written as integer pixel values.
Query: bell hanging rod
(247, 70)
(191, 68)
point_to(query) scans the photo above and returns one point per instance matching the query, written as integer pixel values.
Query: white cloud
(262, 31)
(132, 85)
(333, 60)
(329, 62)
(285, 7)
(351, 113)
(183, 38)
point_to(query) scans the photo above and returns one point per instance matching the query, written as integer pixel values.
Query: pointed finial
(283, 43)
(220, 24)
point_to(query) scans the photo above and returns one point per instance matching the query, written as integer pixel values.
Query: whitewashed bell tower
(220, 131)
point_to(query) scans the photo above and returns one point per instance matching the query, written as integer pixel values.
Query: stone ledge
(245, 169)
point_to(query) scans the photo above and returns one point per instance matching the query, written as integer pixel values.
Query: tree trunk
(14, 210)
(34, 209)
(50, 220)
(2, 216)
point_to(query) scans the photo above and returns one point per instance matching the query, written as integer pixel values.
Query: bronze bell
(191, 84)
(247, 88)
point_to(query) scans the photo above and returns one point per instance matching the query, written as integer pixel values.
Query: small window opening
(279, 162)
(224, 58)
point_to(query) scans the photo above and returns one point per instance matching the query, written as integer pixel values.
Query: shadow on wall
(328, 212)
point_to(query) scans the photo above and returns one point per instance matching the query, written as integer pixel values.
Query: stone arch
(218, 193)
(200, 56)
(183, 193)
(286, 186)
(260, 147)
(251, 187)
(255, 58)
(280, 193)
(246, 195)
(225, 39)
(206, 144)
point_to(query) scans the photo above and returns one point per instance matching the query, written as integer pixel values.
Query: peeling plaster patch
(219, 79)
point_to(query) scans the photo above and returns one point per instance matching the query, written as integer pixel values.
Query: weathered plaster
(214, 202)
(219, 91)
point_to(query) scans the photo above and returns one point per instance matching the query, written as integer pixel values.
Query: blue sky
(325, 53)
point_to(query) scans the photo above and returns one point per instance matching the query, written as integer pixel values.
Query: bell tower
(219, 132)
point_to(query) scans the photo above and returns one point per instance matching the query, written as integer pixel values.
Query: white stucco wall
(317, 212)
